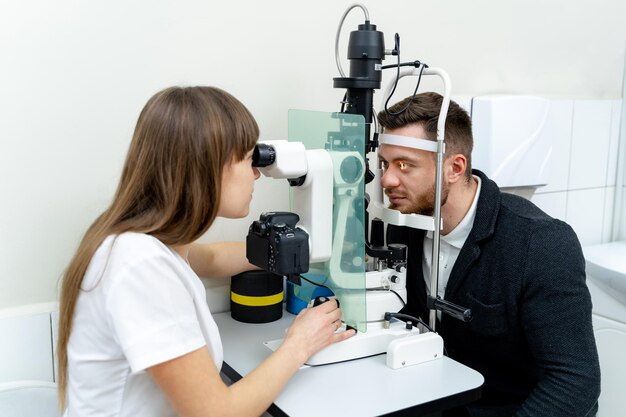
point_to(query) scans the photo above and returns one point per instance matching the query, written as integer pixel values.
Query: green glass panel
(343, 136)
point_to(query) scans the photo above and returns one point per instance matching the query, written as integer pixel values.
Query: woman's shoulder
(130, 240)
(135, 247)
(130, 248)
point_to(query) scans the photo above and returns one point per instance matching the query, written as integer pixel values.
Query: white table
(362, 387)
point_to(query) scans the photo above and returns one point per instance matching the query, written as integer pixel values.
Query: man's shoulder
(512, 212)
(522, 208)
(530, 219)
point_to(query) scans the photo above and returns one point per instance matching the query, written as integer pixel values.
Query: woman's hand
(314, 328)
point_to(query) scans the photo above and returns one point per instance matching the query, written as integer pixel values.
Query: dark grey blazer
(522, 273)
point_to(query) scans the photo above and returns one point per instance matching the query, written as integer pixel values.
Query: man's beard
(424, 205)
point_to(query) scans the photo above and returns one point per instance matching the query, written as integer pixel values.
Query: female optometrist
(136, 337)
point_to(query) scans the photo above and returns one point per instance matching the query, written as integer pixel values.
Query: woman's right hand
(314, 328)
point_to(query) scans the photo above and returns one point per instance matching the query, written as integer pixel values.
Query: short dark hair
(423, 109)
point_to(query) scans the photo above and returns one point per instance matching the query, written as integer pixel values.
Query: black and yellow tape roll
(256, 297)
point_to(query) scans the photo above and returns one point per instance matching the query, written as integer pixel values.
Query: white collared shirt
(449, 248)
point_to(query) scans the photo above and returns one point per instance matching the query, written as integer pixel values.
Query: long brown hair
(170, 183)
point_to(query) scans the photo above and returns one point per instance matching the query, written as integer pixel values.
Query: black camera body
(276, 245)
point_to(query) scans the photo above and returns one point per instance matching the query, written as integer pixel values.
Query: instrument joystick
(322, 299)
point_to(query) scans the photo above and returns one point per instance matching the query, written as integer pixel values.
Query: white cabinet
(26, 348)
(606, 279)
(611, 341)
(54, 322)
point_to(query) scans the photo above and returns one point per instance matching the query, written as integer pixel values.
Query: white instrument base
(408, 347)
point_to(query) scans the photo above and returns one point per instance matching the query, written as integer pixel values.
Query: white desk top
(362, 387)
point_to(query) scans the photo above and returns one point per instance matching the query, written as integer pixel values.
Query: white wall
(74, 76)
(583, 175)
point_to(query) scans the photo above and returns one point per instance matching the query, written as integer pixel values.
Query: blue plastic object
(298, 296)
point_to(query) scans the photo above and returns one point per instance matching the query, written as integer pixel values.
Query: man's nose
(388, 179)
(257, 173)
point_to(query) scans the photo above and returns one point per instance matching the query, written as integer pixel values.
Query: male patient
(521, 272)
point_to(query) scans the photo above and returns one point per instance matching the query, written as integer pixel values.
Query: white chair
(28, 399)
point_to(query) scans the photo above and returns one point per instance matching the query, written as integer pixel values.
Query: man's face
(409, 175)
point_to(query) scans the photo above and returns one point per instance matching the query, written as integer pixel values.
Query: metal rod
(441, 129)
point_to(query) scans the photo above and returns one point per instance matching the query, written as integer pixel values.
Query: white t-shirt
(141, 304)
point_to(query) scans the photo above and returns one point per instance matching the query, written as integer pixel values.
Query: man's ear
(456, 167)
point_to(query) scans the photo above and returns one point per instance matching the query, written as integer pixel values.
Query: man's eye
(403, 166)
